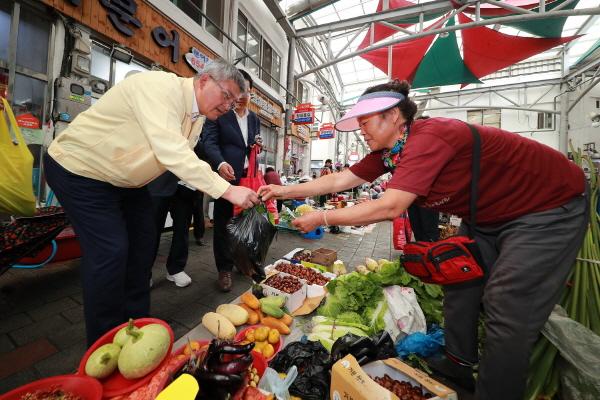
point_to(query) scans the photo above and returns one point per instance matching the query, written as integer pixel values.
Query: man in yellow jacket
(99, 168)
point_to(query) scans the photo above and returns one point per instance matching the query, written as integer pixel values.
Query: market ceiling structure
(433, 43)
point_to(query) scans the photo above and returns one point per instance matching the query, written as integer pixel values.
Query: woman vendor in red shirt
(532, 213)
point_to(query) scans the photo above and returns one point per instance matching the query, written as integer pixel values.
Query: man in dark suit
(170, 194)
(227, 144)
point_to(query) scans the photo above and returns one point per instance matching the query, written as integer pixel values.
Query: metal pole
(289, 98)
(563, 137)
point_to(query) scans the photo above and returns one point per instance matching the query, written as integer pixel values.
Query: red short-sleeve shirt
(518, 175)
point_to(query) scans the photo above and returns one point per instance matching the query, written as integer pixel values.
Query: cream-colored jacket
(139, 129)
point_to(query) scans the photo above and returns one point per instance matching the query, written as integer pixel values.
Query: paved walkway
(41, 314)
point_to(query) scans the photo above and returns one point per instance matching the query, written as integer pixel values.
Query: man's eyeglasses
(228, 98)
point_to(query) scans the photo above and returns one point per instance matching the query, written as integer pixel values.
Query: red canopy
(486, 51)
(406, 57)
(382, 31)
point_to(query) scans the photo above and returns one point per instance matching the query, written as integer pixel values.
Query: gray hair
(220, 70)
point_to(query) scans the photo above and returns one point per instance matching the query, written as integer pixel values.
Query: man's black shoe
(199, 242)
(460, 374)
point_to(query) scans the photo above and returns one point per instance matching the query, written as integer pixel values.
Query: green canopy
(547, 27)
(443, 65)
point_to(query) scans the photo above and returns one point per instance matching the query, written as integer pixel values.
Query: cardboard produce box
(323, 256)
(350, 381)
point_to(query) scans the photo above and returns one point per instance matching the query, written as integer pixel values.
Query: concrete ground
(41, 313)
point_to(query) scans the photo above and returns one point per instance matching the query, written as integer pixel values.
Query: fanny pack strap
(475, 164)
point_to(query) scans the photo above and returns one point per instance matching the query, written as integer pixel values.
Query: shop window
(32, 42)
(28, 96)
(276, 71)
(121, 70)
(269, 136)
(487, 117)
(266, 62)
(242, 33)
(4, 31)
(213, 9)
(3, 82)
(253, 49)
(191, 8)
(545, 121)
(271, 64)
(100, 62)
(111, 70)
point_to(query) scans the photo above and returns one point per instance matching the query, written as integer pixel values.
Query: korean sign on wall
(140, 27)
(327, 131)
(303, 114)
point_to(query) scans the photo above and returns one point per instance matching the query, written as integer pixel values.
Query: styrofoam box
(293, 300)
(313, 290)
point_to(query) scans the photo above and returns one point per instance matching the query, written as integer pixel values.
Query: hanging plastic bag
(253, 180)
(402, 233)
(580, 349)
(405, 310)
(424, 345)
(16, 164)
(251, 233)
(271, 382)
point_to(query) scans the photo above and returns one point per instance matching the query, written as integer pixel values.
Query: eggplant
(235, 366)
(216, 384)
(227, 348)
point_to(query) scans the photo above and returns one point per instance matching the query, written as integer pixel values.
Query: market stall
(314, 330)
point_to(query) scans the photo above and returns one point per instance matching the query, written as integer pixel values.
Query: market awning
(443, 65)
(486, 51)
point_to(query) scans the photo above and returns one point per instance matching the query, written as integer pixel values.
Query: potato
(236, 314)
(273, 336)
(218, 325)
(268, 350)
(261, 334)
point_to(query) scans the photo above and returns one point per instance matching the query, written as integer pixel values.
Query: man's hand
(241, 196)
(226, 171)
(309, 221)
(271, 192)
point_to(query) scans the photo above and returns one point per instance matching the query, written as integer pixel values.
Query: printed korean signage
(140, 27)
(304, 114)
(302, 132)
(327, 131)
(196, 59)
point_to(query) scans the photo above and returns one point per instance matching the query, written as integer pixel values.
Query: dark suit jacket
(166, 184)
(223, 141)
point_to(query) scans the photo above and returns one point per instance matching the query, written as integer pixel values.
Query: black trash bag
(251, 234)
(314, 369)
(364, 349)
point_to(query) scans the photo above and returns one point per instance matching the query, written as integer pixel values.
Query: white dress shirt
(243, 123)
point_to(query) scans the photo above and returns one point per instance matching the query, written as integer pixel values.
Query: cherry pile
(309, 275)
(287, 284)
(404, 390)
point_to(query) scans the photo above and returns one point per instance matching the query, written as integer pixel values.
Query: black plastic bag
(314, 369)
(251, 234)
(364, 349)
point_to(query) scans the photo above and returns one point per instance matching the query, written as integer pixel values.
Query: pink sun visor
(370, 103)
